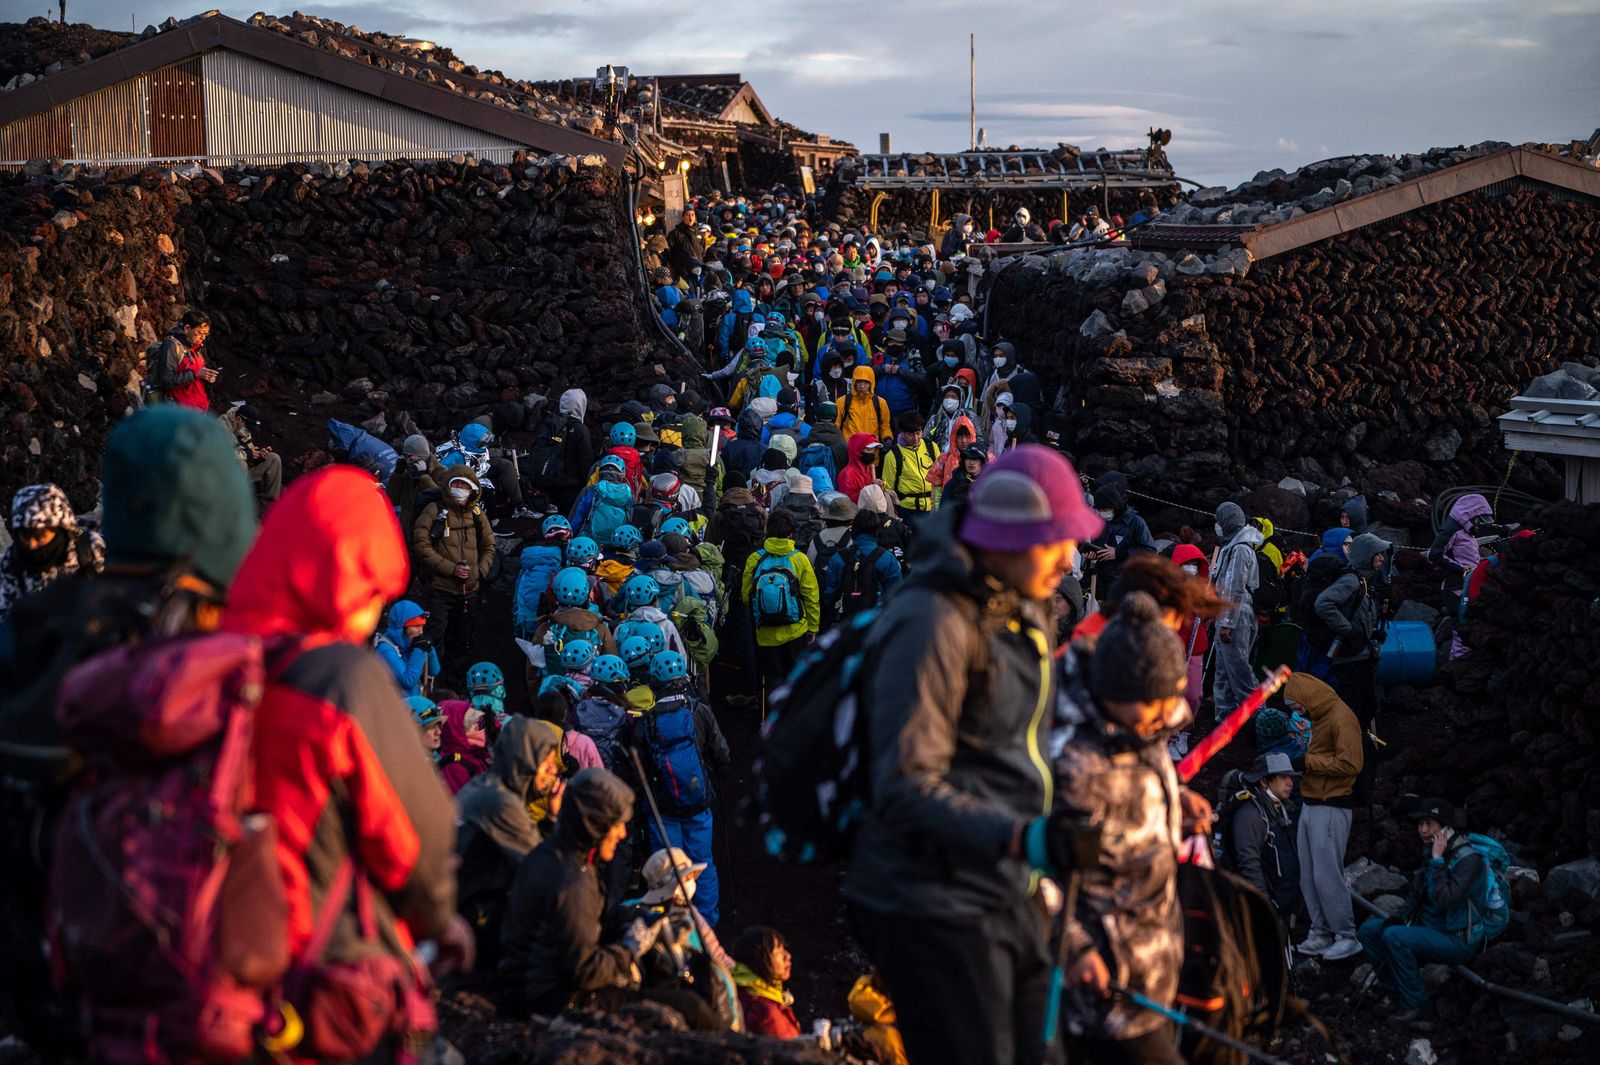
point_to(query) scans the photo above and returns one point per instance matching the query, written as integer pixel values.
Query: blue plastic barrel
(1408, 655)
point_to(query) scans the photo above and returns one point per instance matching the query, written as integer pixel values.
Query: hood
(42, 506)
(1355, 509)
(659, 394)
(327, 548)
(453, 736)
(962, 420)
(1468, 507)
(833, 358)
(463, 473)
(594, 800)
(694, 431)
(736, 497)
(858, 444)
(1231, 518)
(1334, 539)
(1024, 415)
(403, 611)
(742, 302)
(523, 744)
(1190, 553)
(669, 296)
(970, 379)
(1110, 497)
(821, 480)
(474, 437)
(864, 373)
(869, 1004)
(574, 404)
(777, 545)
(1362, 548)
(748, 427)
(1265, 525)
(764, 406)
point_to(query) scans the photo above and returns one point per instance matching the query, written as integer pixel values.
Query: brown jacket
(406, 485)
(464, 537)
(1333, 760)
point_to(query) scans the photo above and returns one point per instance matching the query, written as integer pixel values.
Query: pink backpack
(167, 910)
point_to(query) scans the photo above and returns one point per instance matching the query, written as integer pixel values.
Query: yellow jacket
(810, 594)
(871, 1006)
(905, 470)
(867, 414)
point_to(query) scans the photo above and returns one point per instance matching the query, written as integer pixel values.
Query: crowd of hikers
(267, 782)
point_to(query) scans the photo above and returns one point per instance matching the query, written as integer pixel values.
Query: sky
(1245, 85)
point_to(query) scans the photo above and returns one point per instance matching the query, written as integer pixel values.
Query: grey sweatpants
(1324, 832)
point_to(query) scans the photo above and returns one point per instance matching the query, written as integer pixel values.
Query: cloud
(1284, 144)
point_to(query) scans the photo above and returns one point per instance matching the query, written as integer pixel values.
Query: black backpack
(1322, 574)
(1236, 967)
(743, 529)
(1230, 794)
(860, 589)
(1270, 596)
(544, 467)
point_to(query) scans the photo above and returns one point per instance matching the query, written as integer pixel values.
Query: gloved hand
(640, 937)
(1060, 842)
(423, 644)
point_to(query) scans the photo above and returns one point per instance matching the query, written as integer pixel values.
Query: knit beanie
(1272, 725)
(774, 460)
(827, 411)
(1137, 659)
(416, 447)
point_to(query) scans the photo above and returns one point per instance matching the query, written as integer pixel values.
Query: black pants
(450, 629)
(1159, 1047)
(1357, 684)
(776, 663)
(967, 992)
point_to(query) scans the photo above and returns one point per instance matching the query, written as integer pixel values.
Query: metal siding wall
(256, 110)
(113, 123)
(46, 135)
(177, 111)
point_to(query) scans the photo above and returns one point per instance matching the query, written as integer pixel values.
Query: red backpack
(167, 910)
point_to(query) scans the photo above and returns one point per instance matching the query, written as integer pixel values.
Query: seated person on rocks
(688, 943)
(764, 966)
(1458, 904)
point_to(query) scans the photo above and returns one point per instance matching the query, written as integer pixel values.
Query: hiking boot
(522, 514)
(1415, 1019)
(1343, 947)
(1315, 945)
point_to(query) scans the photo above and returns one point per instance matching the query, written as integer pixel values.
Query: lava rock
(1573, 885)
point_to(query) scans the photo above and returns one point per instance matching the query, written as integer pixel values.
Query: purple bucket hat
(1031, 495)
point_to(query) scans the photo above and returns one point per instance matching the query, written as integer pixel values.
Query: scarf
(747, 980)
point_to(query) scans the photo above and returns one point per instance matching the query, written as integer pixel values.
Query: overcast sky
(1245, 85)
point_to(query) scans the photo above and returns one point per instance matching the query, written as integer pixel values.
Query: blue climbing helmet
(609, 669)
(555, 526)
(576, 655)
(680, 526)
(485, 678)
(570, 587)
(641, 590)
(612, 464)
(667, 667)
(622, 435)
(636, 653)
(582, 552)
(424, 710)
(627, 538)
(562, 683)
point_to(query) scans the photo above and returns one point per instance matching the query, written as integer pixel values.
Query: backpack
(543, 468)
(1236, 968)
(602, 721)
(613, 506)
(775, 592)
(684, 786)
(1489, 902)
(742, 529)
(1270, 595)
(171, 928)
(1322, 574)
(812, 778)
(1230, 794)
(860, 590)
(812, 455)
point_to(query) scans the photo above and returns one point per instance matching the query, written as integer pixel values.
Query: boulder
(1367, 878)
(1574, 885)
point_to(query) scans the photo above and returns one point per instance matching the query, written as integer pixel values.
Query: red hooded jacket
(1182, 554)
(857, 474)
(459, 758)
(339, 762)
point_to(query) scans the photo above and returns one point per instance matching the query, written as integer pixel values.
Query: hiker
(1353, 515)
(691, 972)
(684, 753)
(937, 884)
(780, 590)
(466, 743)
(179, 512)
(1335, 542)
(329, 555)
(417, 473)
(861, 470)
(46, 545)
(906, 465)
(551, 955)
(764, 965)
(406, 651)
(263, 465)
(176, 371)
(1258, 832)
(562, 453)
(1125, 535)
(1458, 903)
(871, 1008)
(1195, 633)
(1334, 759)
(430, 723)
(495, 829)
(1349, 609)
(536, 568)
(1237, 577)
(742, 456)
(454, 548)
(1123, 697)
(959, 485)
(860, 574)
(862, 410)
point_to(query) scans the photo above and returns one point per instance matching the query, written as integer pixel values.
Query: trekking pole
(655, 815)
(1185, 1021)
(1224, 733)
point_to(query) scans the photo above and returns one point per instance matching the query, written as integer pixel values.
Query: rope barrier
(1276, 528)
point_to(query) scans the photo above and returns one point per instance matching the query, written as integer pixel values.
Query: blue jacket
(667, 299)
(539, 565)
(364, 449)
(407, 663)
(887, 567)
(741, 303)
(852, 353)
(784, 420)
(900, 390)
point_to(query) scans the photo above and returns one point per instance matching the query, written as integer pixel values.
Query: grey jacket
(1260, 839)
(1237, 577)
(1349, 606)
(959, 700)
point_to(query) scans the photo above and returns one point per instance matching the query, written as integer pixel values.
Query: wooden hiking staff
(1224, 733)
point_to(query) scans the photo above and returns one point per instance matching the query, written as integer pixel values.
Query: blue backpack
(684, 786)
(539, 564)
(1489, 902)
(817, 455)
(602, 721)
(776, 592)
(613, 506)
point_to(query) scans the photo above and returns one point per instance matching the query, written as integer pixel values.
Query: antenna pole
(972, 92)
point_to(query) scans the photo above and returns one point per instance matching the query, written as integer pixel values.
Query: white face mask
(836, 373)
(460, 495)
(1106, 514)
(1218, 527)
(1011, 425)
(1192, 568)
(950, 404)
(1000, 363)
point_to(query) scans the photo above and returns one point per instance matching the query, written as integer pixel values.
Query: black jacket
(959, 726)
(550, 940)
(683, 249)
(743, 455)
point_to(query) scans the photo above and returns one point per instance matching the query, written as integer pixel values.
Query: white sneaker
(1178, 746)
(1315, 945)
(1343, 947)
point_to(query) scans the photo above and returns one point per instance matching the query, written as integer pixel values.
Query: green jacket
(810, 594)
